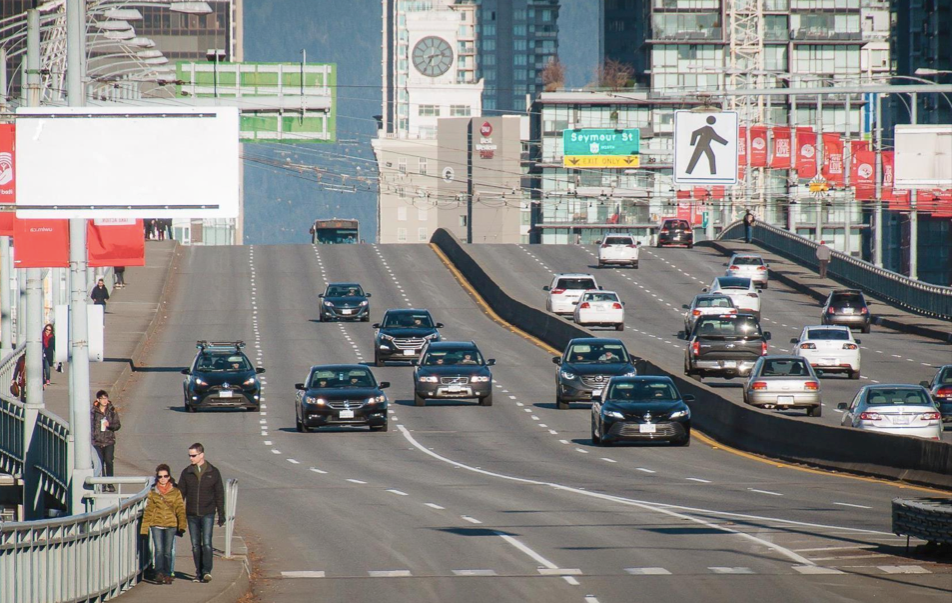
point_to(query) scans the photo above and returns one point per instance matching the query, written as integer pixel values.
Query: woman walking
(49, 352)
(164, 517)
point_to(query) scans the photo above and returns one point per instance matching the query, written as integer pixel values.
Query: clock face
(432, 56)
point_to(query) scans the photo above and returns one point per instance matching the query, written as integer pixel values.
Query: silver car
(749, 265)
(784, 382)
(703, 305)
(898, 409)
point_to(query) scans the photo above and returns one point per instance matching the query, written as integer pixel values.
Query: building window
(402, 214)
(489, 29)
(462, 220)
(520, 59)
(427, 132)
(402, 235)
(489, 74)
(489, 45)
(423, 214)
(402, 166)
(520, 75)
(519, 15)
(429, 110)
(422, 235)
(423, 166)
(546, 15)
(489, 60)
(519, 44)
(519, 30)
(460, 111)
(489, 104)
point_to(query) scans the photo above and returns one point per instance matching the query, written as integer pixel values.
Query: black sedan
(586, 366)
(640, 409)
(344, 301)
(340, 395)
(221, 376)
(450, 370)
(402, 334)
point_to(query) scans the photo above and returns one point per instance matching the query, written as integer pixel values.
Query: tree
(553, 75)
(614, 74)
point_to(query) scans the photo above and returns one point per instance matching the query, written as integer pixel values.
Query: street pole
(79, 368)
(913, 211)
(819, 166)
(878, 218)
(6, 325)
(847, 191)
(794, 176)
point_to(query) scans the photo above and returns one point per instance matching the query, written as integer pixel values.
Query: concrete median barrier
(749, 429)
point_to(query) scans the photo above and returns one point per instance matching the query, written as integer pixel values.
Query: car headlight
(480, 379)
(375, 399)
(250, 381)
(364, 303)
(631, 374)
(328, 304)
(200, 382)
(567, 375)
(427, 379)
(386, 337)
(680, 413)
(313, 400)
(614, 414)
(432, 336)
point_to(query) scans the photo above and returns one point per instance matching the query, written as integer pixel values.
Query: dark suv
(847, 307)
(402, 334)
(221, 376)
(344, 301)
(450, 370)
(586, 366)
(340, 395)
(724, 345)
(675, 232)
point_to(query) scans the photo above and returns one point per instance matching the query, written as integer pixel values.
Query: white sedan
(601, 309)
(742, 292)
(829, 349)
(900, 409)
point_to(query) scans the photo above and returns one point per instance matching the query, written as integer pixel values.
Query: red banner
(888, 163)
(41, 243)
(758, 146)
(683, 194)
(700, 193)
(741, 151)
(8, 193)
(833, 166)
(862, 174)
(858, 145)
(806, 153)
(781, 148)
(116, 242)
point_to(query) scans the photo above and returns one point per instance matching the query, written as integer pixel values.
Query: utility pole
(819, 166)
(878, 219)
(6, 324)
(794, 175)
(79, 368)
(913, 211)
(848, 192)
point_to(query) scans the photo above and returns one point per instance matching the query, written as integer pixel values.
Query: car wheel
(854, 375)
(384, 427)
(252, 409)
(418, 399)
(365, 318)
(815, 411)
(635, 265)
(683, 442)
(765, 285)
(697, 377)
(559, 403)
(378, 361)
(189, 407)
(866, 328)
(601, 264)
(487, 400)
(595, 439)
(690, 245)
(298, 424)
(659, 245)
(620, 326)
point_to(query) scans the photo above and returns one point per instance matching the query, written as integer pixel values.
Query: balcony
(825, 35)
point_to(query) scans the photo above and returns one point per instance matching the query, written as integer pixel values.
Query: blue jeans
(747, 232)
(200, 531)
(162, 539)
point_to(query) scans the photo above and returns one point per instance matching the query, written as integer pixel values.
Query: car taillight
(944, 392)
(763, 348)
(849, 346)
(688, 231)
(863, 311)
(664, 231)
(832, 310)
(696, 348)
(558, 291)
(761, 267)
(696, 313)
(758, 385)
(732, 311)
(632, 246)
(584, 306)
(605, 246)
(733, 268)
(811, 386)
(930, 416)
(752, 295)
(870, 416)
(807, 346)
(616, 306)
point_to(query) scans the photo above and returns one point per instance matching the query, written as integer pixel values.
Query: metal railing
(12, 418)
(910, 294)
(231, 505)
(90, 557)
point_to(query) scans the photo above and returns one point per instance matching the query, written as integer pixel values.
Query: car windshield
(747, 260)
(715, 302)
(597, 353)
(342, 378)
(575, 283)
(344, 291)
(408, 320)
(848, 299)
(453, 357)
(786, 367)
(599, 297)
(618, 241)
(733, 283)
(643, 391)
(223, 362)
(831, 334)
(945, 376)
(887, 396)
(727, 327)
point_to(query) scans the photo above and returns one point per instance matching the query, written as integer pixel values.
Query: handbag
(15, 389)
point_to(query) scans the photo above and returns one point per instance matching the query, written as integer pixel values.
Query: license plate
(600, 309)
(346, 311)
(346, 414)
(729, 363)
(847, 310)
(454, 389)
(409, 352)
(784, 399)
(596, 392)
(225, 393)
(827, 361)
(648, 428)
(900, 420)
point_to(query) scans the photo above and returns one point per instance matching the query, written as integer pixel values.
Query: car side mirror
(320, 295)
(685, 307)
(414, 362)
(794, 340)
(638, 244)
(259, 370)
(299, 386)
(766, 335)
(367, 295)
(600, 288)
(704, 290)
(688, 397)
(546, 288)
(439, 325)
(841, 406)
(924, 384)
(858, 341)
(491, 362)
(556, 360)
(186, 372)
(383, 385)
(596, 397)
(376, 325)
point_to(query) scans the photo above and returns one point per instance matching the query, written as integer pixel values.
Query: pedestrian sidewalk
(808, 282)
(131, 318)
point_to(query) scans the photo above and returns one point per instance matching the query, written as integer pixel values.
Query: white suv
(565, 291)
(621, 249)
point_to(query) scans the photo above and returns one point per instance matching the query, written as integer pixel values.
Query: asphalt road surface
(459, 502)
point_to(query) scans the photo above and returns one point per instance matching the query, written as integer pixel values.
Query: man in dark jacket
(100, 294)
(204, 494)
(105, 424)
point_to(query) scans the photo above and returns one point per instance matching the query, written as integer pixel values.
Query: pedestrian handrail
(910, 294)
(231, 505)
(12, 418)
(90, 557)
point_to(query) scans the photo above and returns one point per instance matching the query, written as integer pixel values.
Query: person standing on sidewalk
(164, 518)
(100, 294)
(105, 424)
(120, 275)
(49, 352)
(748, 227)
(204, 494)
(823, 255)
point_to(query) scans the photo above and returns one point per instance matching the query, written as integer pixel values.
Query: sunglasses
(194, 455)
(163, 476)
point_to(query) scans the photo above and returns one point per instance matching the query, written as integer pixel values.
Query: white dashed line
(316, 470)
(398, 492)
(469, 519)
(434, 506)
(765, 492)
(355, 481)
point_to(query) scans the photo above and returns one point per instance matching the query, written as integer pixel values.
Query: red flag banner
(781, 149)
(115, 242)
(741, 151)
(888, 164)
(862, 174)
(684, 194)
(858, 145)
(806, 153)
(717, 191)
(700, 193)
(758, 146)
(8, 193)
(833, 168)
(41, 243)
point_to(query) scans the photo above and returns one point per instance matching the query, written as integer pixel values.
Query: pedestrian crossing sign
(705, 147)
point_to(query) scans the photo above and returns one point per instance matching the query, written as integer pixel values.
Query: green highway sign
(601, 147)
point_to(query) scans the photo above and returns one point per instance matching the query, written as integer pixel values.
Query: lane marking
(474, 572)
(434, 506)
(697, 479)
(275, 451)
(851, 505)
(642, 469)
(560, 571)
(398, 492)
(293, 462)
(608, 460)
(527, 551)
(355, 481)
(316, 470)
(815, 570)
(571, 580)
(731, 570)
(302, 574)
(765, 492)
(904, 569)
(390, 573)
(470, 519)
(647, 571)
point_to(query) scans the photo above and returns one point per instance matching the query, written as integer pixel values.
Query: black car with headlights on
(344, 301)
(640, 409)
(586, 366)
(453, 369)
(402, 334)
(340, 395)
(221, 376)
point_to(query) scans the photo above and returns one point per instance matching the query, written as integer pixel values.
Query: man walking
(204, 494)
(823, 256)
(105, 424)
(748, 227)
(100, 294)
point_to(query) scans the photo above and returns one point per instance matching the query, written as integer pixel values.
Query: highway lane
(669, 278)
(404, 511)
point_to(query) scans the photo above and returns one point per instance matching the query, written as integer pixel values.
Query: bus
(335, 232)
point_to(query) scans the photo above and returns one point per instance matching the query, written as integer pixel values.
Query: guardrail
(927, 518)
(231, 505)
(910, 294)
(90, 557)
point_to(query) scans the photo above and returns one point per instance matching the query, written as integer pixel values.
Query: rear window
(344, 291)
(785, 368)
(599, 297)
(747, 261)
(897, 397)
(223, 362)
(452, 357)
(640, 391)
(848, 298)
(734, 283)
(831, 334)
(715, 302)
(727, 327)
(619, 241)
(683, 224)
(576, 283)
(945, 377)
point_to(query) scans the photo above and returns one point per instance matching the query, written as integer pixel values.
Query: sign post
(601, 148)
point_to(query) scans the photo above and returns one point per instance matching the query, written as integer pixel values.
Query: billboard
(601, 148)
(923, 157)
(127, 162)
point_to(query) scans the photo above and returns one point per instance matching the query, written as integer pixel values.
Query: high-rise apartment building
(921, 41)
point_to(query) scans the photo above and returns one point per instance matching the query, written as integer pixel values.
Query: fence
(910, 294)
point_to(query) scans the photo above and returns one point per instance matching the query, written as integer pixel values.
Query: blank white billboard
(923, 157)
(127, 162)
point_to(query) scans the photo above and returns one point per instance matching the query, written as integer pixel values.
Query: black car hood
(404, 333)
(454, 369)
(658, 409)
(346, 302)
(222, 377)
(620, 368)
(343, 393)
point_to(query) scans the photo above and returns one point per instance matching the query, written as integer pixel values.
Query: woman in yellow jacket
(164, 516)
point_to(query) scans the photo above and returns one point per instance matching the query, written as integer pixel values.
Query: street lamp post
(214, 55)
